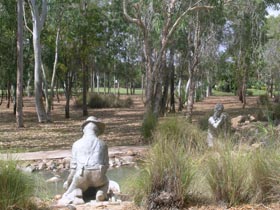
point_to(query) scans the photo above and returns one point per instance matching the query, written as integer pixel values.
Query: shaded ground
(122, 127)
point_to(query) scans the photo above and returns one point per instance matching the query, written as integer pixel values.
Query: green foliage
(96, 100)
(265, 108)
(148, 125)
(203, 121)
(16, 187)
(249, 93)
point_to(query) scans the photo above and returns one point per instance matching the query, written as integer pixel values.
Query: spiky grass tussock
(229, 176)
(16, 187)
(169, 168)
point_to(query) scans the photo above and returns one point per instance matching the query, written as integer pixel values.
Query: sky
(273, 12)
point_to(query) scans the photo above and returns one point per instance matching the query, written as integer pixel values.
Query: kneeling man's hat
(100, 125)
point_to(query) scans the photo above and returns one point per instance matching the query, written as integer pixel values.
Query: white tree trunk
(38, 21)
(98, 82)
(50, 101)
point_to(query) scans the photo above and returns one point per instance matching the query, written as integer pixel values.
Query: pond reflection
(55, 180)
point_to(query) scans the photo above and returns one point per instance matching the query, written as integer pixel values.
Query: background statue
(217, 124)
(89, 165)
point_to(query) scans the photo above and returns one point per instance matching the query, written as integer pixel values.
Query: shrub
(169, 170)
(250, 93)
(95, 100)
(266, 175)
(203, 121)
(228, 176)
(148, 125)
(265, 108)
(16, 187)
(263, 99)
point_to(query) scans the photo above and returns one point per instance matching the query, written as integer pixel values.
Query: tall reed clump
(266, 175)
(169, 169)
(229, 176)
(16, 187)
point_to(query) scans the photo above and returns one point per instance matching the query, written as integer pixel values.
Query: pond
(120, 175)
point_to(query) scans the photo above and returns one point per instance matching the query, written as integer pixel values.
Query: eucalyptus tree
(271, 54)
(19, 95)
(90, 33)
(39, 12)
(247, 23)
(157, 21)
(50, 52)
(8, 26)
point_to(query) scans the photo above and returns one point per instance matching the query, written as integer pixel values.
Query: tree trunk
(193, 61)
(84, 69)
(67, 108)
(19, 95)
(179, 90)
(172, 89)
(53, 73)
(190, 98)
(68, 93)
(166, 79)
(8, 94)
(28, 88)
(38, 22)
(104, 85)
(98, 82)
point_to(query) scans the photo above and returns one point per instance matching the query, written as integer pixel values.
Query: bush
(265, 108)
(95, 100)
(266, 175)
(250, 93)
(228, 176)
(16, 187)
(148, 125)
(169, 169)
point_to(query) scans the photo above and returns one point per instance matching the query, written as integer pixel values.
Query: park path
(60, 154)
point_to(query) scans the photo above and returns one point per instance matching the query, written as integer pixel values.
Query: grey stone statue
(89, 165)
(217, 124)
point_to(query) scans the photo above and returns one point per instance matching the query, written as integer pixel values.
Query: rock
(57, 197)
(29, 169)
(42, 166)
(114, 187)
(258, 145)
(54, 179)
(128, 159)
(130, 153)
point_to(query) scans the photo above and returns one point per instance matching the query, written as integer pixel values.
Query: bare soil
(122, 124)
(122, 128)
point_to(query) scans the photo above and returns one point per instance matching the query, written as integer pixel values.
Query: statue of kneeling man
(88, 166)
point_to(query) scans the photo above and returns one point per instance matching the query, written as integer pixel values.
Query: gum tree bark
(19, 111)
(38, 20)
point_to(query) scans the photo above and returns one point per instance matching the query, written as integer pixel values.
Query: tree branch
(179, 19)
(43, 14)
(25, 22)
(129, 18)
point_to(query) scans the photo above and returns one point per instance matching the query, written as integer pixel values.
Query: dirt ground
(122, 124)
(122, 128)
